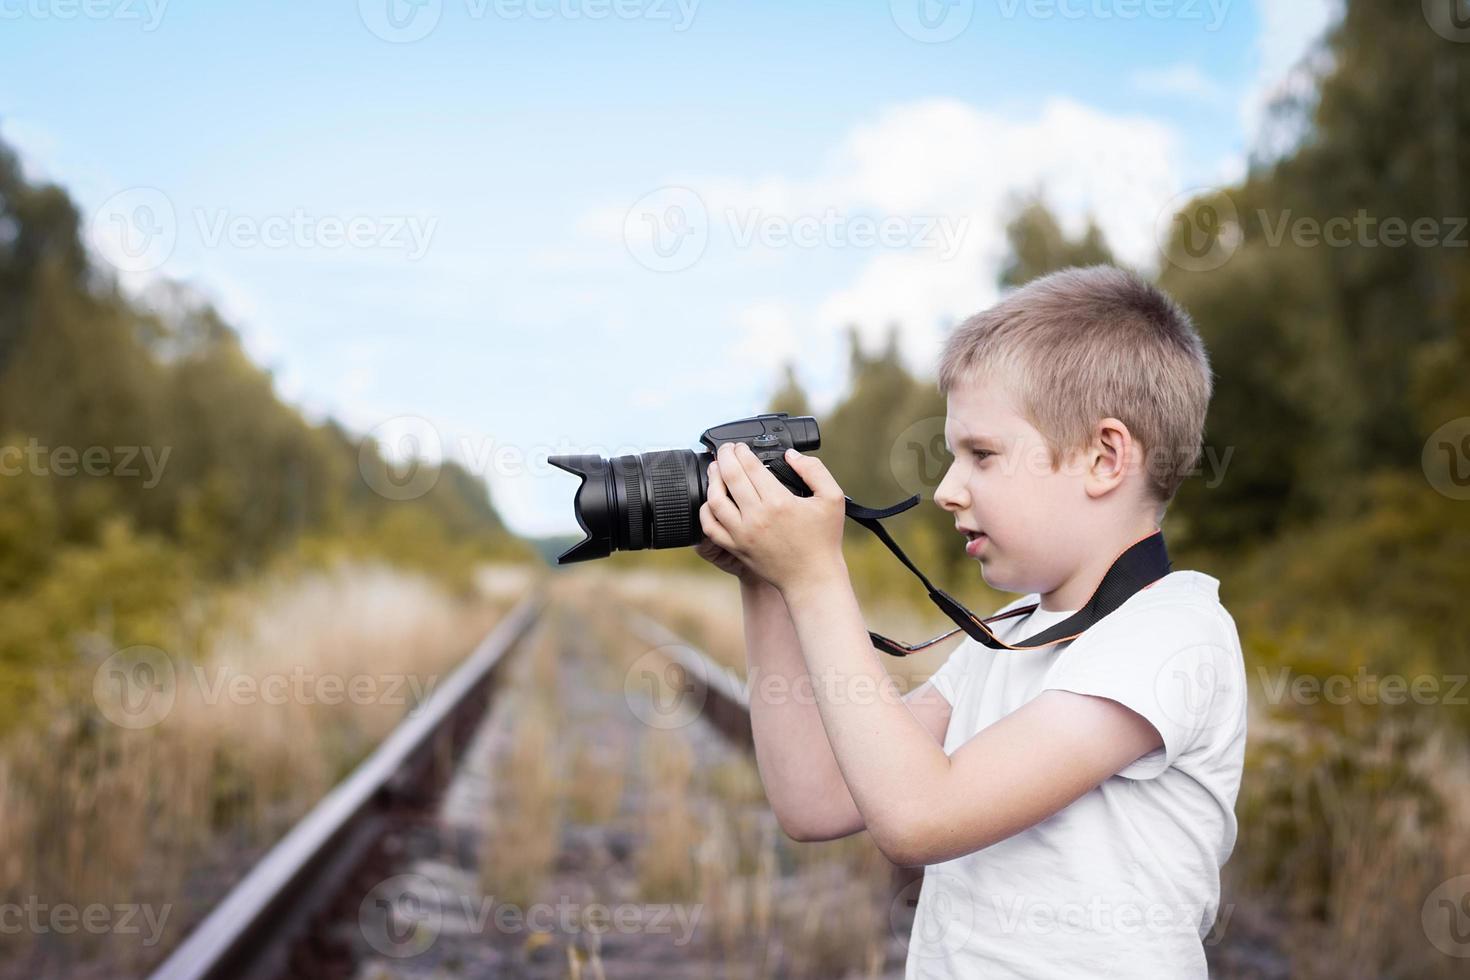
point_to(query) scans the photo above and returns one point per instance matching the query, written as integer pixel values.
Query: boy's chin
(1003, 579)
(996, 578)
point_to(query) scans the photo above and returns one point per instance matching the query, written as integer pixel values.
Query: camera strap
(1139, 566)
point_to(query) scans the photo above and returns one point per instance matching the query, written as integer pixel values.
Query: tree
(1038, 246)
(790, 397)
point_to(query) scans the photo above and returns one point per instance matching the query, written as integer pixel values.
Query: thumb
(814, 474)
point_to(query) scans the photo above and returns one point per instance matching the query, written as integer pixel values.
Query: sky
(496, 230)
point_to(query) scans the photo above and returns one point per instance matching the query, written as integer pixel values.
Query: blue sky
(446, 227)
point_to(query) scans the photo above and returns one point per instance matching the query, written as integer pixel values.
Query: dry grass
(596, 782)
(670, 830)
(1345, 835)
(734, 782)
(738, 871)
(525, 819)
(835, 924)
(772, 907)
(96, 813)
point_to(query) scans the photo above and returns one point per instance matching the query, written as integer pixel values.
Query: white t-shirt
(1125, 881)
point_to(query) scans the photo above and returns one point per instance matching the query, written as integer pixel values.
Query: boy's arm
(802, 780)
(920, 805)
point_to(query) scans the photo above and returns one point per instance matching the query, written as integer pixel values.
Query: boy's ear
(1109, 456)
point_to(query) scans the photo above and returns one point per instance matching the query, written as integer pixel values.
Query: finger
(716, 482)
(741, 489)
(714, 530)
(761, 477)
(814, 474)
(717, 498)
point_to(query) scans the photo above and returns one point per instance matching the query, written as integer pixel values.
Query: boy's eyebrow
(977, 440)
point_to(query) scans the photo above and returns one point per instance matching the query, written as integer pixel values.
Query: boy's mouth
(974, 541)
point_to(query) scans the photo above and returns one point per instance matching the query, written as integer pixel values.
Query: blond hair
(1082, 345)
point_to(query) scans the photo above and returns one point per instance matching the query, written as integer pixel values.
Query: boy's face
(1033, 519)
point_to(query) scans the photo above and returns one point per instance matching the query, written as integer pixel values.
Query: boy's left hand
(788, 540)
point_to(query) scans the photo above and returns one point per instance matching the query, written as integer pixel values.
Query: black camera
(652, 500)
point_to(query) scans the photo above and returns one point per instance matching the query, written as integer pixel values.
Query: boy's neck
(1074, 592)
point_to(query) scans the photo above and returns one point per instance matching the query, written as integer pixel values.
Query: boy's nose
(950, 494)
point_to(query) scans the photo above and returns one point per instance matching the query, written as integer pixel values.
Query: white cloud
(768, 337)
(953, 159)
(949, 173)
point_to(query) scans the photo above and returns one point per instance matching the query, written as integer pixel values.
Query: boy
(1072, 804)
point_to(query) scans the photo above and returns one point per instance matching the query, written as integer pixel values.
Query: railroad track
(263, 927)
(277, 921)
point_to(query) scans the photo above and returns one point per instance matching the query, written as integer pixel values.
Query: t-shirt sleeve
(1175, 666)
(947, 680)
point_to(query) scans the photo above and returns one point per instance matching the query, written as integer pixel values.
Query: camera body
(768, 436)
(652, 500)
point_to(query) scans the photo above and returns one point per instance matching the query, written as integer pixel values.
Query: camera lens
(630, 503)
